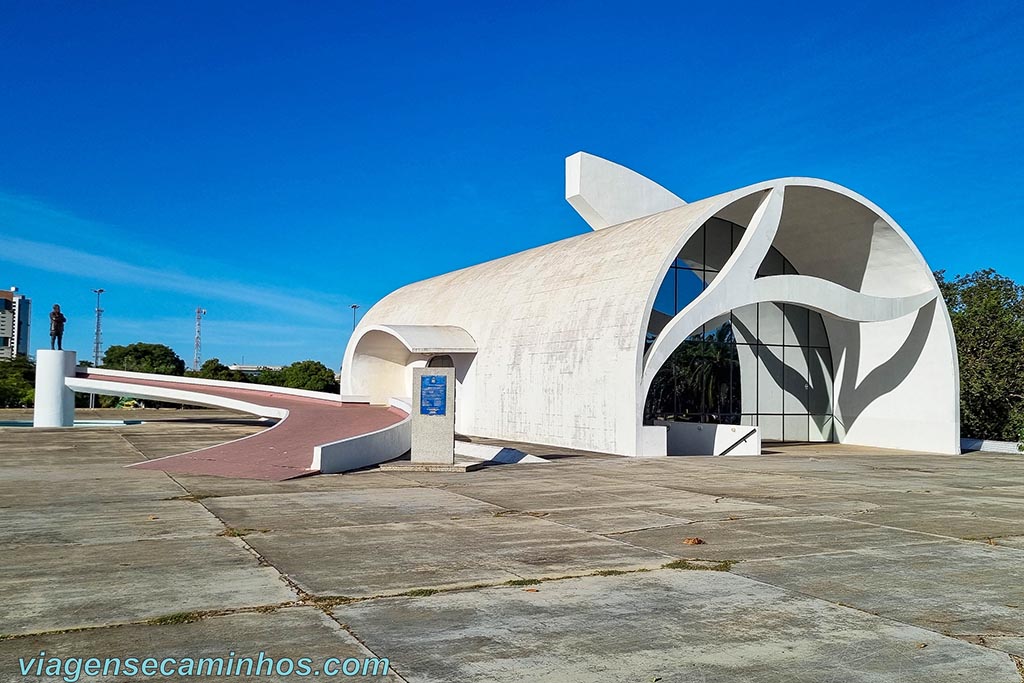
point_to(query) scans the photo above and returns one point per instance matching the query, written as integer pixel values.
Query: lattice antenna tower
(200, 312)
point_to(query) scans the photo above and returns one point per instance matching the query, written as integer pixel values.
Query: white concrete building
(15, 323)
(793, 309)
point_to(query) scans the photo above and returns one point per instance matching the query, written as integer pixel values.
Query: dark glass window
(782, 347)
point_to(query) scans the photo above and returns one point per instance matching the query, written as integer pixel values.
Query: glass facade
(766, 364)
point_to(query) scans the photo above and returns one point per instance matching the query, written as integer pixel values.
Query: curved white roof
(560, 329)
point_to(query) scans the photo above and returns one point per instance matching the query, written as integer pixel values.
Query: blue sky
(275, 163)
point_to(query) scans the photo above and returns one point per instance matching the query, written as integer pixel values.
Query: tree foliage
(306, 374)
(700, 380)
(17, 383)
(142, 357)
(987, 311)
(214, 369)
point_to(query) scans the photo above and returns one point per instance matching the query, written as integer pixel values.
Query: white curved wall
(560, 328)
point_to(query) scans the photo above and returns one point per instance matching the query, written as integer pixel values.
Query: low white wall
(990, 446)
(199, 381)
(108, 388)
(653, 441)
(364, 450)
(691, 438)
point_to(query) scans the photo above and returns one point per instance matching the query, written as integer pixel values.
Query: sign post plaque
(433, 419)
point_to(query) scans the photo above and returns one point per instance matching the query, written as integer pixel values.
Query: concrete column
(54, 402)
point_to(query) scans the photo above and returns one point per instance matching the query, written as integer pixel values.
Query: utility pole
(355, 307)
(97, 342)
(200, 312)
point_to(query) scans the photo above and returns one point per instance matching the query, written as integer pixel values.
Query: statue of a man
(57, 321)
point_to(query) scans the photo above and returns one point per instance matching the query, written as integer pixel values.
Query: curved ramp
(289, 449)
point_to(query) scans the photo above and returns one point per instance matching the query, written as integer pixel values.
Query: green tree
(306, 374)
(141, 357)
(701, 377)
(987, 311)
(214, 369)
(17, 383)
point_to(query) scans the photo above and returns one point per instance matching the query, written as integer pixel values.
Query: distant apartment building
(253, 370)
(15, 323)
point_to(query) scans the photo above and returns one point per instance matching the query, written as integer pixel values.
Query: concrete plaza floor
(818, 563)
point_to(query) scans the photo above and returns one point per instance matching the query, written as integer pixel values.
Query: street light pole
(355, 307)
(97, 342)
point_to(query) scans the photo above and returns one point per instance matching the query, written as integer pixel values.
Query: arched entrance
(379, 363)
(766, 364)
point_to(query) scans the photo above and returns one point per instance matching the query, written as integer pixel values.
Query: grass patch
(328, 601)
(509, 513)
(192, 497)
(701, 565)
(238, 532)
(176, 618)
(420, 592)
(522, 582)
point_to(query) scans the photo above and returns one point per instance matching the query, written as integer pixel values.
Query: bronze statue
(57, 321)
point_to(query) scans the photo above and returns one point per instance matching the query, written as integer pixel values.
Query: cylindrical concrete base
(54, 403)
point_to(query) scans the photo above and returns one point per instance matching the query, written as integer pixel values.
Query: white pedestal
(54, 403)
(433, 416)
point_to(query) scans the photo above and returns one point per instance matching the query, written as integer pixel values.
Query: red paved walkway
(282, 452)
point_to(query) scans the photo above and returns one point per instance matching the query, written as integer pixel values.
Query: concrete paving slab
(671, 626)
(951, 587)
(770, 537)
(391, 558)
(288, 633)
(48, 587)
(553, 493)
(71, 512)
(111, 522)
(1012, 644)
(1010, 541)
(206, 486)
(966, 526)
(751, 486)
(324, 509)
(605, 520)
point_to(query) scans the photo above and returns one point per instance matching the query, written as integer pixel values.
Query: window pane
(769, 379)
(688, 286)
(795, 331)
(795, 382)
(744, 324)
(795, 427)
(817, 336)
(820, 428)
(665, 301)
(719, 243)
(819, 373)
(771, 426)
(693, 251)
(769, 323)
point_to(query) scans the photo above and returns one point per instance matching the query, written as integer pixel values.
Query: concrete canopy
(560, 354)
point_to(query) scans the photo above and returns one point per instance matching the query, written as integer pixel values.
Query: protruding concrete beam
(605, 193)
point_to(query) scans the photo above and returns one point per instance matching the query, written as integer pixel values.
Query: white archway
(890, 335)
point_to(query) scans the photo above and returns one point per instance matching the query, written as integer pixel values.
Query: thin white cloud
(240, 333)
(59, 259)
